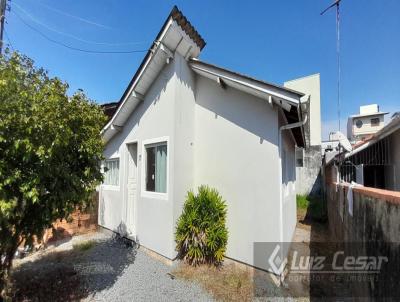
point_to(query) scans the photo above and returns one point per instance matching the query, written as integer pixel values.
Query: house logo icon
(277, 264)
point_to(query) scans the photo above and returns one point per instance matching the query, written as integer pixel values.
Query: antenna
(337, 4)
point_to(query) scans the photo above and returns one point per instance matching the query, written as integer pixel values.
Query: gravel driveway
(113, 269)
(142, 279)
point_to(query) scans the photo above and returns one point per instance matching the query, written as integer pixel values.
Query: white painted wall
(154, 118)
(236, 152)
(184, 115)
(289, 213)
(310, 85)
(222, 138)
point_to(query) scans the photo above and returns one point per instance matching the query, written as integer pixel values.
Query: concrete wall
(309, 176)
(310, 85)
(374, 226)
(236, 152)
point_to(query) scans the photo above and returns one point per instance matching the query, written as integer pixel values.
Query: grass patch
(314, 207)
(84, 246)
(302, 202)
(226, 283)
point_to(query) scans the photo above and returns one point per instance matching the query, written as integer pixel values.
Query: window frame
(109, 186)
(375, 124)
(152, 143)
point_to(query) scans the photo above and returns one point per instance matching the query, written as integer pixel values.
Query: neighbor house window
(111, 172)
(375, 122)
(156, 168)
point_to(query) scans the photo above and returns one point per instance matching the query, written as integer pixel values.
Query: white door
(131, 189)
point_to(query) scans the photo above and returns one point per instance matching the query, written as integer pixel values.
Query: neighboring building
(182, 123)
(109, 109)
(369, 121)
(332, 144)
(308, 161)
(329, 146)
(376, 161)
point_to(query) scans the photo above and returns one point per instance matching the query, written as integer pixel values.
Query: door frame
(132, 235)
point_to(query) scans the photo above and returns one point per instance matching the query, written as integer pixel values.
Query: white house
(182, 123)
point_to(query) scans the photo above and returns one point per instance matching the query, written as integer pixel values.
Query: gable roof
(178, 35)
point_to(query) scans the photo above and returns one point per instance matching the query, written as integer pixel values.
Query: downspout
(281, 129)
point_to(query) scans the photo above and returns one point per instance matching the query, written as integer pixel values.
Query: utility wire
(68, 46)
(71, 16)
(70, 35)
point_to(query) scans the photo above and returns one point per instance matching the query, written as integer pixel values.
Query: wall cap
(386, 195)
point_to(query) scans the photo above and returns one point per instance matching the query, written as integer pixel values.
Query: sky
(273, 40)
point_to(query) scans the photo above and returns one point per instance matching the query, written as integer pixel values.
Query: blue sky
(274, 40)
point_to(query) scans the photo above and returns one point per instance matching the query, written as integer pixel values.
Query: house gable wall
(236, 152)
(152, 119)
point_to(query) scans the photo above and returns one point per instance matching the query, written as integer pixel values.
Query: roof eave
(263, 89)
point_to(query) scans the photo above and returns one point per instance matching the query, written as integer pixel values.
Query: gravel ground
(113, 269)
(143, 278)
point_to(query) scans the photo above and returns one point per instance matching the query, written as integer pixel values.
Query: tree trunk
(5, 267)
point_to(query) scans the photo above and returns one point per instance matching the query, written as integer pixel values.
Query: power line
(68, 46)
(72, 16)
(70, 35)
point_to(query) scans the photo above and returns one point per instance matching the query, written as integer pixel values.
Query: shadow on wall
(316, 188)
(74, 274)
(152, 98)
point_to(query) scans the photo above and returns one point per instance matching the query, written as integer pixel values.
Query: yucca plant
(201, 235)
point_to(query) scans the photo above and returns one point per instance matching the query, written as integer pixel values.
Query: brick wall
(80, 222)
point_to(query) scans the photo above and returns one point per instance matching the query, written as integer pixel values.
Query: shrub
(201, 235)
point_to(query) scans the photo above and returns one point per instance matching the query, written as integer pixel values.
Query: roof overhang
(367, 114)
(176, 35)
(289, 100)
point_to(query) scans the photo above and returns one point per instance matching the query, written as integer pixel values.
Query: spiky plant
(201, 235)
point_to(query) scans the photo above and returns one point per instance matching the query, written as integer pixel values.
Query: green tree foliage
(201, 235)
(50, 149)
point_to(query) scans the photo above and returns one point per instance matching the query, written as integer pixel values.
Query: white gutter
(281, 129)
